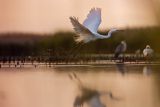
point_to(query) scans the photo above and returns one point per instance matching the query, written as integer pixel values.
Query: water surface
(75, 86)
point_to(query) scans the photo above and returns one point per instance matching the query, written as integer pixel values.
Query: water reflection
(2, 98)
(77, 86)
(89, 96)
(121, 68)
(147, 70)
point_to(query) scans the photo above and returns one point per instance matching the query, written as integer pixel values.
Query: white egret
(121, 48)
(148, 52)
(88, 30)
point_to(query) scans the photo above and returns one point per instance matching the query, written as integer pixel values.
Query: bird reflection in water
(3, 98)
(147, 70)
(121, 68)
(89, 96)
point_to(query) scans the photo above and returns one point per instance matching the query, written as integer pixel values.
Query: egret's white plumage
(88, 30)
(93, 20)
(148, 52)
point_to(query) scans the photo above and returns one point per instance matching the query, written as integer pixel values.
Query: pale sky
(46, 16)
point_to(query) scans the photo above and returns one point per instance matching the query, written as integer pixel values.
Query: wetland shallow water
(65, 86)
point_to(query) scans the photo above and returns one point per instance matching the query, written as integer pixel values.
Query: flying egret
(88, 30)
(120, 49)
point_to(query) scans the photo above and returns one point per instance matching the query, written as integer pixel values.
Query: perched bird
(148, 52)
(120, 49)
(137, 53)
(88, 30)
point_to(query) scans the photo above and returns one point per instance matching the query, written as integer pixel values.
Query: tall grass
(61, 43)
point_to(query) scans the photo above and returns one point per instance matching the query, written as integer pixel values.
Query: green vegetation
(62, 43)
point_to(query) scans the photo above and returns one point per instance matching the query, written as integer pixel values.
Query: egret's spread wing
(93, 20)
(84, 34)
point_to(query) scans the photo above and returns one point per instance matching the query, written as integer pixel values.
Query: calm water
(77, 86)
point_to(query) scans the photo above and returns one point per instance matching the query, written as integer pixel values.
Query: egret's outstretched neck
(104, 36)
(110, 33)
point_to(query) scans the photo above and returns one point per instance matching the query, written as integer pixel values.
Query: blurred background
(32, 26)
(52, 15)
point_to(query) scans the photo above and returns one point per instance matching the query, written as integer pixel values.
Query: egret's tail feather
(78, 39)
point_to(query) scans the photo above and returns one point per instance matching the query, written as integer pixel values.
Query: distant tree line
(62, 43)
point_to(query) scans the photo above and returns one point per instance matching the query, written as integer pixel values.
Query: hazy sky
(52, 15)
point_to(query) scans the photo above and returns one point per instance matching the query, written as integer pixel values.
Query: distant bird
(148, 52)
(88, 30)
(137, 53)
(120, 49)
